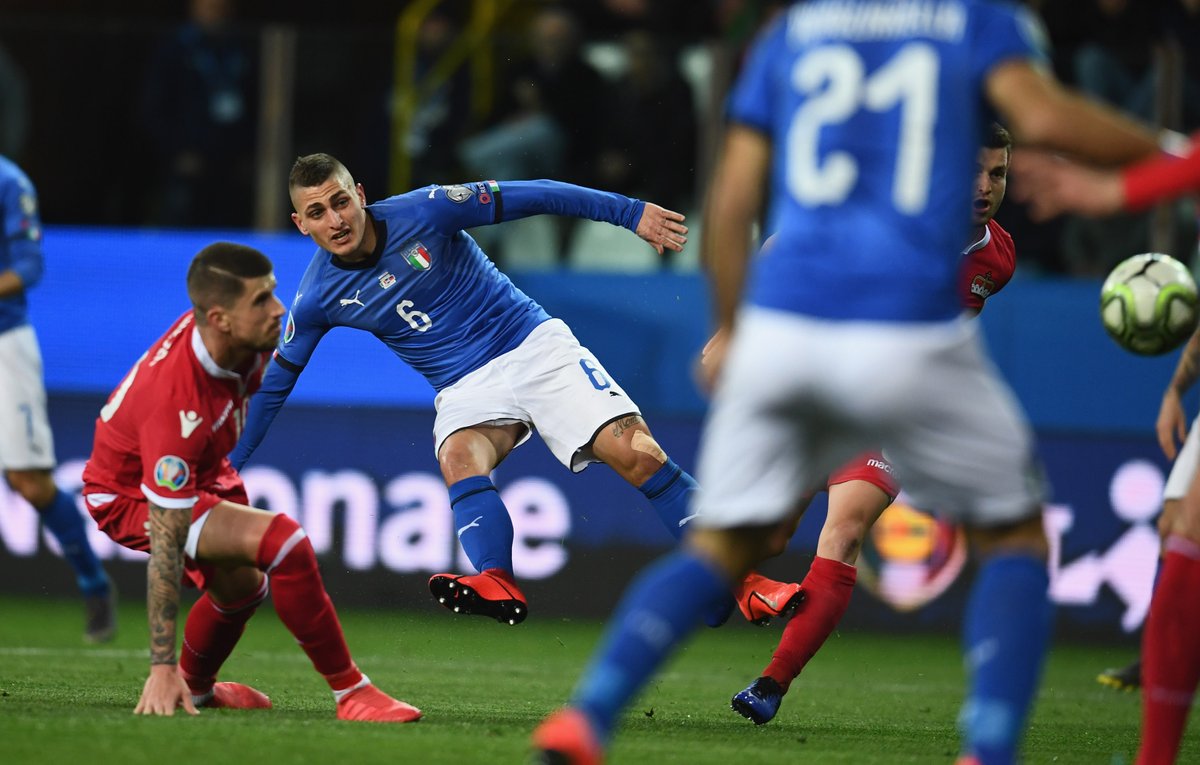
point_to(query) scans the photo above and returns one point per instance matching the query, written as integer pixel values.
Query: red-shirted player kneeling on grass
(158, 480)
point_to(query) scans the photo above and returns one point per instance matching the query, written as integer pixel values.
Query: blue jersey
(21, 247)
(428, 291)
(875, 112)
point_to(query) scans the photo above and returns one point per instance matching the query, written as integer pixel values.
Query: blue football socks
(670, 491)
(663, 605)
(484, 527)
(1006, 631)
(61, 517)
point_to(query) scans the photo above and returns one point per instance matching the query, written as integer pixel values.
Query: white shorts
(800, 396)
(549, 382)
(26, 442)
(1186, 462)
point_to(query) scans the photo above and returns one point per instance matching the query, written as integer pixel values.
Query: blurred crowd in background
(188, 113)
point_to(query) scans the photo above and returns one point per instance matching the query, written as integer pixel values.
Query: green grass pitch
(867, 698)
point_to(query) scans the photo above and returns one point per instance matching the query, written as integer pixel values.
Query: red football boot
(492, 593)
(369, 704)
(567, 738)
(761, 599)
(236, 696)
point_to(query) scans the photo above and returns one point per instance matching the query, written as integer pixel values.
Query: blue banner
(108, 293)
(364, 483)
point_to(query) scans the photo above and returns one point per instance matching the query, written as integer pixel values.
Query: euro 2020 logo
(171, 472)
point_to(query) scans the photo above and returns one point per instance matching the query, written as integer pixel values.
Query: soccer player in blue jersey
(26, 442)
(857, 120)
(404, 270)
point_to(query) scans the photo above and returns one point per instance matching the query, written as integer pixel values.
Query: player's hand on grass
(1172, 423)
(163, 692)
(662, 228)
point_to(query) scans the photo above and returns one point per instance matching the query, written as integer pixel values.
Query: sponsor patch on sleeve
(485, 194)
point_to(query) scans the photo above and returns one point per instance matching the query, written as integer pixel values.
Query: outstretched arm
(277, 384)
(1044, 114)
(496, 202)
(663, 229)
(165, 689)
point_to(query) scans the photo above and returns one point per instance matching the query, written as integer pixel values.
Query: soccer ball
(1148, 304)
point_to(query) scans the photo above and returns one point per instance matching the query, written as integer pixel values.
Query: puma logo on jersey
(472, 525)
(353, 301)
(188, 422)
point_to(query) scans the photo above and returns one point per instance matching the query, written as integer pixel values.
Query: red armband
(1165, 177)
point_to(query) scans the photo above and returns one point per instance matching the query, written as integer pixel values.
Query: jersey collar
(206, 360)
(984, 241)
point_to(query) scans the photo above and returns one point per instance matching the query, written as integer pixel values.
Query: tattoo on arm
(168, 532)
(1188, 368)
(624, 424)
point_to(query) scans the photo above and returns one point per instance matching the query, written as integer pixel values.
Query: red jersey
(987, 266)
(165, 432)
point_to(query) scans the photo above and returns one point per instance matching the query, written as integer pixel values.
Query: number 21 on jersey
(835, 86)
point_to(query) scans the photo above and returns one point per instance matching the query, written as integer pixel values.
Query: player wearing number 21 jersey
(861, 119)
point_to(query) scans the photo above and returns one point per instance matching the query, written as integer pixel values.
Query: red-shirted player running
(860, 492)
(158, 481)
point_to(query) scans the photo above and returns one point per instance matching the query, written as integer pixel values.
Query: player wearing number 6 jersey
(404, 270)
(859, 120)
(158, 481)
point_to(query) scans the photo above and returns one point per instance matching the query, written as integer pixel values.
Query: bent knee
(842, 542)
(35, 486)
(634, 456)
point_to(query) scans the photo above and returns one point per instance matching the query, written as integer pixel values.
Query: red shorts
(126, 520)
(870, 467)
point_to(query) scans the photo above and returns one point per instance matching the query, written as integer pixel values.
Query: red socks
(302, 603)
(1170, 653)
(209, 635)
(827, 589)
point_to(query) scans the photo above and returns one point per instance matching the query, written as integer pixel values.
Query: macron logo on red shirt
(188, 422)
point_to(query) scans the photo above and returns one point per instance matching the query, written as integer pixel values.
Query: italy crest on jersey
(417, 256)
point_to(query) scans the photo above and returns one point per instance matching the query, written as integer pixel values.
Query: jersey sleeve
(170, 460)
(22, 229)
(751, 100)
(452, 208)
(1005, 31)
(306, 324)
(277, 384)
